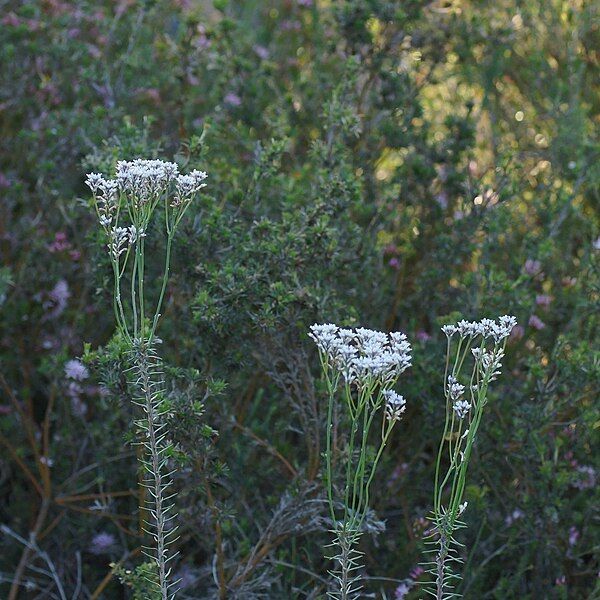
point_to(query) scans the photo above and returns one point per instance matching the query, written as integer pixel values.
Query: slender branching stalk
(480, 344)
(360, 367)
(132, 197)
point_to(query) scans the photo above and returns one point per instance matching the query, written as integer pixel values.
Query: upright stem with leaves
(360, 366)
(125, 207)
(482, 344)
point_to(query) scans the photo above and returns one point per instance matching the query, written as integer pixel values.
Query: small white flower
(395, 405)
(75, 369)
(449, 330)
(105, 221)
(491, 363)
(462, 507)
(461, 408)
(120, 239)
(363, 355)
(93, 181)
(135, 233)
(455, 389)
(145, 180)
(186, 186)
(487, 328)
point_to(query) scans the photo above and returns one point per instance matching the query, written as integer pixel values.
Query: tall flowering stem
(360, 367)
(480, 346)
(125, 207)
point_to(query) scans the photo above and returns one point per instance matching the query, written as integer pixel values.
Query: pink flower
(102, 543)
(514, 516)
(420, 526)
(573, 535)
(517, 333)
(152, 94)
(75, 369)
(201, 42)
(402, 590)
(536, 322)
(287, 25)
(416, 572)
(422, 336)
(442, 199)
(532, 267)
(394, 263)
(11, 20)
(60, 243)
(543, 300)
(587, 478)
(261, 52)
(78, 407)
(232, 99)
(57, 299)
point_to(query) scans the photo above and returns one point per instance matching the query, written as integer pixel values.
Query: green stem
(372, 474)
(133, 293)
(328, 449)
(140, 273)
(163, 286)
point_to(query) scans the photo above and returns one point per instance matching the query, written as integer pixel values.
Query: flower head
(491, 363)
(75, 369)
(455, 389)
(142, 183)
(461, 408)
(395, 405)
(102, 543)
(532, 266)
(487, 328)
(361, 354)
(186, 186)
(536, 322)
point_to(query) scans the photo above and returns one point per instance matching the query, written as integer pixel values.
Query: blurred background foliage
(388, 164)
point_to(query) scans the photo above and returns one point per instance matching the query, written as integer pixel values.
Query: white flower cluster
(487, 328)
(455, 389)
(120, 238)
(455, 392)
(461, 408)
(119, 241)
(187, 186)
(363, 355)
(106, 193)
(143, 182)
(395, 405)
(489, 363)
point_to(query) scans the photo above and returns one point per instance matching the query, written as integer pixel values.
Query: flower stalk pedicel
(482, 343)
(125, 207)
(362, 366)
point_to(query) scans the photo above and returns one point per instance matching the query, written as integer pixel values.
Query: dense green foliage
(389, 164)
